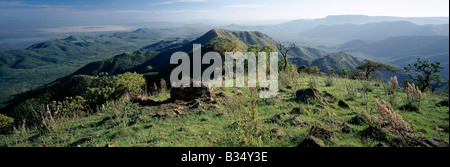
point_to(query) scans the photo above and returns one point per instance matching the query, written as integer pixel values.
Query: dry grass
(390, 120)
(414, 96)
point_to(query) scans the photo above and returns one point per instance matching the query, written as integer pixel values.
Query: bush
(71, 106)
(389, 122)
(366, 86)
(414, 97)
(290, 78)
(114, 87)
(329, 81)
(351, 89)
(313, 82)
(5, 121)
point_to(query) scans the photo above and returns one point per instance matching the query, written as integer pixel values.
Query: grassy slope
(129, 124)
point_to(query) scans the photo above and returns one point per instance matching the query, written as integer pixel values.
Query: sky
(187, 10)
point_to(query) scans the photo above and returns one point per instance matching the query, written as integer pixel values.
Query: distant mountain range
(375, 31)
(403, 50)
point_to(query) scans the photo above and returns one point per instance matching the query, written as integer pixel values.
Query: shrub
(5, 121)
(71, 106)
(245, 112)
(290, 78)
(329, 81)
(389, 122)
(313, 82)
(114, 87)
(351, 89)
(414, 97)
(366, 86)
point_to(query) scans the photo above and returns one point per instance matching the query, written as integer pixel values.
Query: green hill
(43, 63)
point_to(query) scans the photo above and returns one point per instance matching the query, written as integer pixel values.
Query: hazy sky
(185, 10)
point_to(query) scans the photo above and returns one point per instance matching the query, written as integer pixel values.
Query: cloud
(174, 1)
(246, 6)
(15, 4)
(181, 11)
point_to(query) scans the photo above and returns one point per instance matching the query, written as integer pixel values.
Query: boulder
(305, 94)
(298, 111)
(328, 95)
(310, 141)
(295, 121)
(321, 133)
(190, 93)
(346, 128)
(430, 142)
(343, 104)
(358, 120)
(276, 132)
(328, 100)
(276, 118)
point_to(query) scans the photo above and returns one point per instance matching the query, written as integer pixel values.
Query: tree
(424, 74)
(369, 68)
(284, 52)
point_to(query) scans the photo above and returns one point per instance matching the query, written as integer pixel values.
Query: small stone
(310, 141)
(276, 132)
(321, 133)
(298, 111)
(346, 128)
(343, 104)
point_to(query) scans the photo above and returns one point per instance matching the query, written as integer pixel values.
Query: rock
(328, 95)
(298, 111)
(328, 100)
(320, 107)
(342, 104)
(278, 97)
(214, 107)
(316, 111)
(305, 94)
(358, 120)
(430, 142)
(381, 144)
(195, 105)
(294, 121)
(346, 128)
(321, 133)
(190, 93)
(310, 141)
(221, 94)
(276, 118)
(109, 145)
(276, 132)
